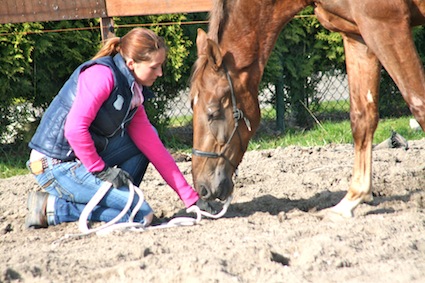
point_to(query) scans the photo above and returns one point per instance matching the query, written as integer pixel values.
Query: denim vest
(111, 119)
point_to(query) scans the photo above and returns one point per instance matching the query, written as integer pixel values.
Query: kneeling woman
(96, 130)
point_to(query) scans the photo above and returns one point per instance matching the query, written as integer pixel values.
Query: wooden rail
(154, 7)
(19, 11)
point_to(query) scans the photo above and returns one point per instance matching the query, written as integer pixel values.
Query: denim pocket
(79, 173)
(49, 183)
(64, 180)
(46, 179)
(60, 191)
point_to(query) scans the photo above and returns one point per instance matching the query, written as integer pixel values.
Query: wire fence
(331, 95)
(330, 89)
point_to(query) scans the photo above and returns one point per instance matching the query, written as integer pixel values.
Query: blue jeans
(74, 186)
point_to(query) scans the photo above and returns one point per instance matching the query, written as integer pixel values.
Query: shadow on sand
(323, 200)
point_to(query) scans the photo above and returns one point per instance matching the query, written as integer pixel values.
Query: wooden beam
(153, 7)
(19, 11)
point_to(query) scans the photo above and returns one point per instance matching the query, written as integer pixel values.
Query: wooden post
(107, 28)
(280, 105)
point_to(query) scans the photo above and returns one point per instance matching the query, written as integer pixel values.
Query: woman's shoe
(36, 204)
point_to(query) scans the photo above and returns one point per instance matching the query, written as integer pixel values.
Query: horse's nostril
(205, 193)
(226, 189)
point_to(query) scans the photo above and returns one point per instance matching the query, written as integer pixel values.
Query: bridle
(237, 115)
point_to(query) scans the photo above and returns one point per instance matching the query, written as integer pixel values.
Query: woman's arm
(147, 140)
(95, 84)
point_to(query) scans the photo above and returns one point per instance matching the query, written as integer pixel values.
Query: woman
(96, 130)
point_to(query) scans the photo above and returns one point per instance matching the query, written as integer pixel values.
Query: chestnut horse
(231, 61)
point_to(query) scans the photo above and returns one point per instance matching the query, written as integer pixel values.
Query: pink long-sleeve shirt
(95, 84)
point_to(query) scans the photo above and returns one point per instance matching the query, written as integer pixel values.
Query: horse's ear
(201, 42)
(209, 48)
(214, 55)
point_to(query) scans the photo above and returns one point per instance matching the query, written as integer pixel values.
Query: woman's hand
(116, 176)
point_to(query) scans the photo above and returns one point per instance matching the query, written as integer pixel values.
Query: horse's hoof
(345, 213)
(345, 207)
(368, 198)
(333, 214)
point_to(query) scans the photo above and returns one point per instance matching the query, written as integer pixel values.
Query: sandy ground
(274, 230)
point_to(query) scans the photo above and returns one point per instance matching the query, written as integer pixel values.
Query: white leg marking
(195, 99)
(416, 102)
(346, 207)
(369, 96)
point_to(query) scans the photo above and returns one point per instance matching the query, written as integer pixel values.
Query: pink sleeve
(147, 140)
(94, 87)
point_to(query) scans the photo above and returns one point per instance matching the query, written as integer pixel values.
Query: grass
(334, 132)
(13, 159)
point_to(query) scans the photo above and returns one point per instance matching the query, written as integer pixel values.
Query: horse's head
(225, 116)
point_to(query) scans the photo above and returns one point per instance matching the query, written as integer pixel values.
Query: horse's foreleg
(363, 69)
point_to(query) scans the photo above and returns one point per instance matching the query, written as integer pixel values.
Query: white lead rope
(130, 225)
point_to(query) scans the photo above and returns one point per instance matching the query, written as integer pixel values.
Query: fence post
(107, 28)
(280, 106)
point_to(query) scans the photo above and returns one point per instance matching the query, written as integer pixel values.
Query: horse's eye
(214, 114)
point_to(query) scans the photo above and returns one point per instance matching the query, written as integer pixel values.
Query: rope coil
(130, 225)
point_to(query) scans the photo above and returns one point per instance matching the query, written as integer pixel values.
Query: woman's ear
(130, 64)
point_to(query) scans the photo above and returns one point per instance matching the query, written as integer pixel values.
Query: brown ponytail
(138, 44)
(110, 48)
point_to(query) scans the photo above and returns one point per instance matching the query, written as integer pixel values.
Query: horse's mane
(217, 17)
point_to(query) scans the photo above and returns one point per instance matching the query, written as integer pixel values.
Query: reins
(237, 115)
(131, 225)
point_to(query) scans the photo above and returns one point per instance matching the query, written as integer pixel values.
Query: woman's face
(147, 72)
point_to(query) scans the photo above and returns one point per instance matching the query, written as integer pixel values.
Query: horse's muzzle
(222, 190)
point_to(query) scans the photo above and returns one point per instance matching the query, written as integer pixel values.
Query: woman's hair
(138, 44)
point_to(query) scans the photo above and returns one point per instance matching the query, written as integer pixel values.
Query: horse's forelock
(198, 69)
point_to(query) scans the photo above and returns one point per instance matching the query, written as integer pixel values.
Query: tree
(36, 64)
(15, 58)
(57, 54)
(303, 53)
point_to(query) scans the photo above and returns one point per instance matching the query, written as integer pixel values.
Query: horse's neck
(250, 39)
